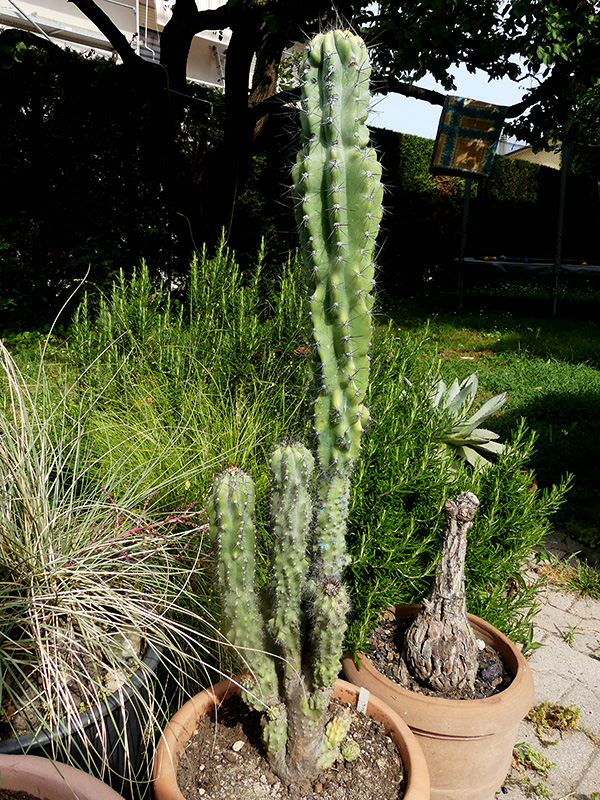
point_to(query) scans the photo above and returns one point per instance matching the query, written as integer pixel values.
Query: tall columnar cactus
(338, 194)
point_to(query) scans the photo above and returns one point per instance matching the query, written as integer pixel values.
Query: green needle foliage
(401, 484)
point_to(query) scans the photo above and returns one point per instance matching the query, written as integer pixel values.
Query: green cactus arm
(291, 513)
(329, 602)
(231, 521)
(338, 195)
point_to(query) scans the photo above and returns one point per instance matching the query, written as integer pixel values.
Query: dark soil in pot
(386, 642)
(11, 794)
(228, 762)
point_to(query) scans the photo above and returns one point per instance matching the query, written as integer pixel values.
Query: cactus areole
(292, 648)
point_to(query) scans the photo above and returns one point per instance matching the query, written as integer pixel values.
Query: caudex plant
(440, 648)
(292, 645)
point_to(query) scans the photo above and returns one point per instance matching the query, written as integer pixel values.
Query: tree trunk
(440, 649)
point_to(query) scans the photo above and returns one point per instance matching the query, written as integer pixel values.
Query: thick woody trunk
(440, 649)
(300, 758)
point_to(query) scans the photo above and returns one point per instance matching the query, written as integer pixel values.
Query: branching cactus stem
(338, 195)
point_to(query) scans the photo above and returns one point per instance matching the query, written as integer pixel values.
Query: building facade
(140, 21)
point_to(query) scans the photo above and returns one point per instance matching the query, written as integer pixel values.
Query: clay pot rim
(183, 724)
(45, 778)
(468, 708)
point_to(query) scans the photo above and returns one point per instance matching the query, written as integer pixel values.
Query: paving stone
(573, 755)
(512, 791)
(588, 610)
(555, 540)
(558, 657)
(556, 599)
(588, 700)
(566, 675)
(554, 620)
(590, 782)
(572, 546)
(586, 642)
(550, 686)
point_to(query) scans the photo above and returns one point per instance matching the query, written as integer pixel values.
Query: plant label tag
(363, 700)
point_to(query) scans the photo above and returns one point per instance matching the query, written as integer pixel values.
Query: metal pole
(30, 20)
(463, 240)
(565, 167)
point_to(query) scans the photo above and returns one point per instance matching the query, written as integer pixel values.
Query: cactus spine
(338, 194)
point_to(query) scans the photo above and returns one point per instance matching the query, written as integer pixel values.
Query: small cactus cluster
(292, 645)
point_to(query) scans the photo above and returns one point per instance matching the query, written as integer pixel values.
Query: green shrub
(402, 483)
(223, 369)
(210, 379)
(222, 330)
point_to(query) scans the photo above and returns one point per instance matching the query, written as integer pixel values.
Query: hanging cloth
(467, 137)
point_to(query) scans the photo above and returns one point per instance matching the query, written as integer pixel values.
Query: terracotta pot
(183, 724)
(51, 780)
(467, 744)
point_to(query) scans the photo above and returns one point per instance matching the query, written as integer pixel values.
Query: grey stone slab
(512, 790)
(572, 756)
(541, 637)
(567, 675)
(588, 610)
(590, 782)
(588, 700)
(556, 539)
(572, 545)
(550, 686)
(558, 657)
(557, 599)
(586, 642)
(554, 620)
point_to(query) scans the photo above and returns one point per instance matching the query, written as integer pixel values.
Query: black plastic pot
(107, 741)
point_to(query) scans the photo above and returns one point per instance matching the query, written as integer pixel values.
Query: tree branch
(212, 19)
(396, 86)
(106, 26)
(541, 92)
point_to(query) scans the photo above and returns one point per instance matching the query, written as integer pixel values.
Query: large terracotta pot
(183, 724)
(468, 744)
(50, 780)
